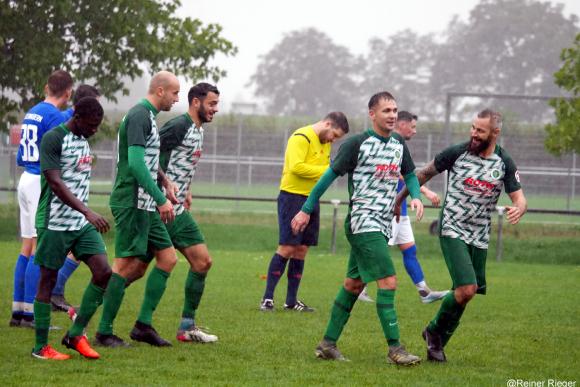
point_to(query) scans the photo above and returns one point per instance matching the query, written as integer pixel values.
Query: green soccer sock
(112, 300)
(388, 316)
(194, 286)
(156, 284)
(92, 299)
(447, 318)
(41, 324)
(340, 313)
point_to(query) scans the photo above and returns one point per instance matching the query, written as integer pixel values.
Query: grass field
(525, 328)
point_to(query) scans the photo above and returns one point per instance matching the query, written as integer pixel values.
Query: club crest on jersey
(387, 171)
(495, 174)
(397, 154)
(480, 187)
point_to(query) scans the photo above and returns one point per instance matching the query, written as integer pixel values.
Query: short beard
(477, 149)
(202, 114)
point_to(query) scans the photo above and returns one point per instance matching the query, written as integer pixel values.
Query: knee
(389, 282)
(205, 265)
(101, 279)
(353, 286)
(167, 260)
(464, 294)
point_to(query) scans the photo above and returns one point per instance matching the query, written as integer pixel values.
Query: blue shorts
(289, 205)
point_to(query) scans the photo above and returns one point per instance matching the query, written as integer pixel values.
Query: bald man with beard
(140, 210)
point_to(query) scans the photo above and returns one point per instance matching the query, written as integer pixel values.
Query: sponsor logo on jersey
(387, 172)
(84, 163)
(476, 186)
(196, 156)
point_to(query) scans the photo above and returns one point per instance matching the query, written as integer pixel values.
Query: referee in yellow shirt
(307, 158)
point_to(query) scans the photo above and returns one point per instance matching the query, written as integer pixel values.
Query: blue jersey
(67, 114)
(40, 119)
(400, 187)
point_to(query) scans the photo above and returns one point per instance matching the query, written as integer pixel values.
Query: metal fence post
(214, 165)
(335, 203)
(499, 249)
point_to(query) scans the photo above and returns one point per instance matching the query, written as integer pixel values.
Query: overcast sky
(255, 26)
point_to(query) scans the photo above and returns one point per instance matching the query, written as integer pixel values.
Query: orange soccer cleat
(81, 345)
(49, 353)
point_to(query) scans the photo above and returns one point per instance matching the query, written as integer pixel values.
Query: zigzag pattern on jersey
(183, 163)
(75, 164)
(144, 200)
(467, 208)
(374, 195)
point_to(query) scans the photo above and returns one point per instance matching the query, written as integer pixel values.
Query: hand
(98, 221)
(433, 197)
(171, 191)
(514, 214)
(417, 205)
(187, 201)
(300, 222)
(166, 212)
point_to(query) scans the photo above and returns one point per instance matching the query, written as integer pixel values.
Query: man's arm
(432, 196)
(170, 188)
(423, 176)
(519, 208)
(60, 189)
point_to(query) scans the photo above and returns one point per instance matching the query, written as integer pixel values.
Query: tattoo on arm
(427, 173)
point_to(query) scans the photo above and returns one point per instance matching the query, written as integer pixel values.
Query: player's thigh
(458, 260)
(158, 238)
(184, 231)
(369, 258)
(479, 258)
(89, 242)
(288, 206)
(131, 231)
(53, 247)
(28, 196)
(402, 232)
(310, 233)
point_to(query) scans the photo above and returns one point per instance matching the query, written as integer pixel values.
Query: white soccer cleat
(433, 296)
(364, 296)
(196, 335)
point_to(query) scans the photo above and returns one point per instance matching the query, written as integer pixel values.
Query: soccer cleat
(364, 296)
(430, 296)
(327, 350)
(72, 313)
(49, 353)
(196, 335)
(299, 306)
(14, 322)
(267, 305)
(398, 355)
(111, 341)
(59, 303)
(434, 346)
(30, 324)
(147, 334)
(81, 345)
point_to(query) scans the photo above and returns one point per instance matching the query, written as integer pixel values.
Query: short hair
(378, 96)
(200, 91)
(85, 91)
(339, 120)
(88, 107)
(59, 82)
(494, 116)
(404, 115)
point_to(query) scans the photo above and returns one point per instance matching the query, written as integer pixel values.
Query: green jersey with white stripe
(374, 164)
(138, 127)
(474, 184)
(63, 150)
(181, 148)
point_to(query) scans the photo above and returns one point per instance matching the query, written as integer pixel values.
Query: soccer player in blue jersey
(41, 118)
(58, 301)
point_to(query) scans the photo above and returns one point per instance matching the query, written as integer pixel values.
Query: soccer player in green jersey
(140, 208)
(65, 223)
(373, 160)
(478, 170)
(181, 149)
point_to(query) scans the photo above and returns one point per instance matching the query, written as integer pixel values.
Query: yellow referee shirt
(306, 159)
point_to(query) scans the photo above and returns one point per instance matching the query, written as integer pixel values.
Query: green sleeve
(319, 190)
(136, 160)
(347, 156)
(446, 158)
(50, 149)
(407, 164)
(412, 184)
(172, 133)
(138, 127)
(511, 177)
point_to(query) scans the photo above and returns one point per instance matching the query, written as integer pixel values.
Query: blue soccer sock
(18, 295)
(275, 271)
(30, 286)
(70, 265)
(295, 270)
(412, 265)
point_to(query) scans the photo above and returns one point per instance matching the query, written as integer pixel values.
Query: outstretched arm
(423, 175)
(60, 189)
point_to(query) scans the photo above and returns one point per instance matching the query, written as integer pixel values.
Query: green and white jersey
(181, 148)
(62, 150)
(474, 184)
(373, 164)
(138, 127)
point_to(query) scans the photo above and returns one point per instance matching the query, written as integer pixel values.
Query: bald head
(163, 90)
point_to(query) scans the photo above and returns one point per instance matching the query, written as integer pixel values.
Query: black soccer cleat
(59, 303)
(147, 334)
(434, 346)
(111, 341)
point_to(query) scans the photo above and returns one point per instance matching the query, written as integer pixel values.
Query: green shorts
(138, 230)
(369, 257)
(53, 246)
(466, 263)
(184, 232)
